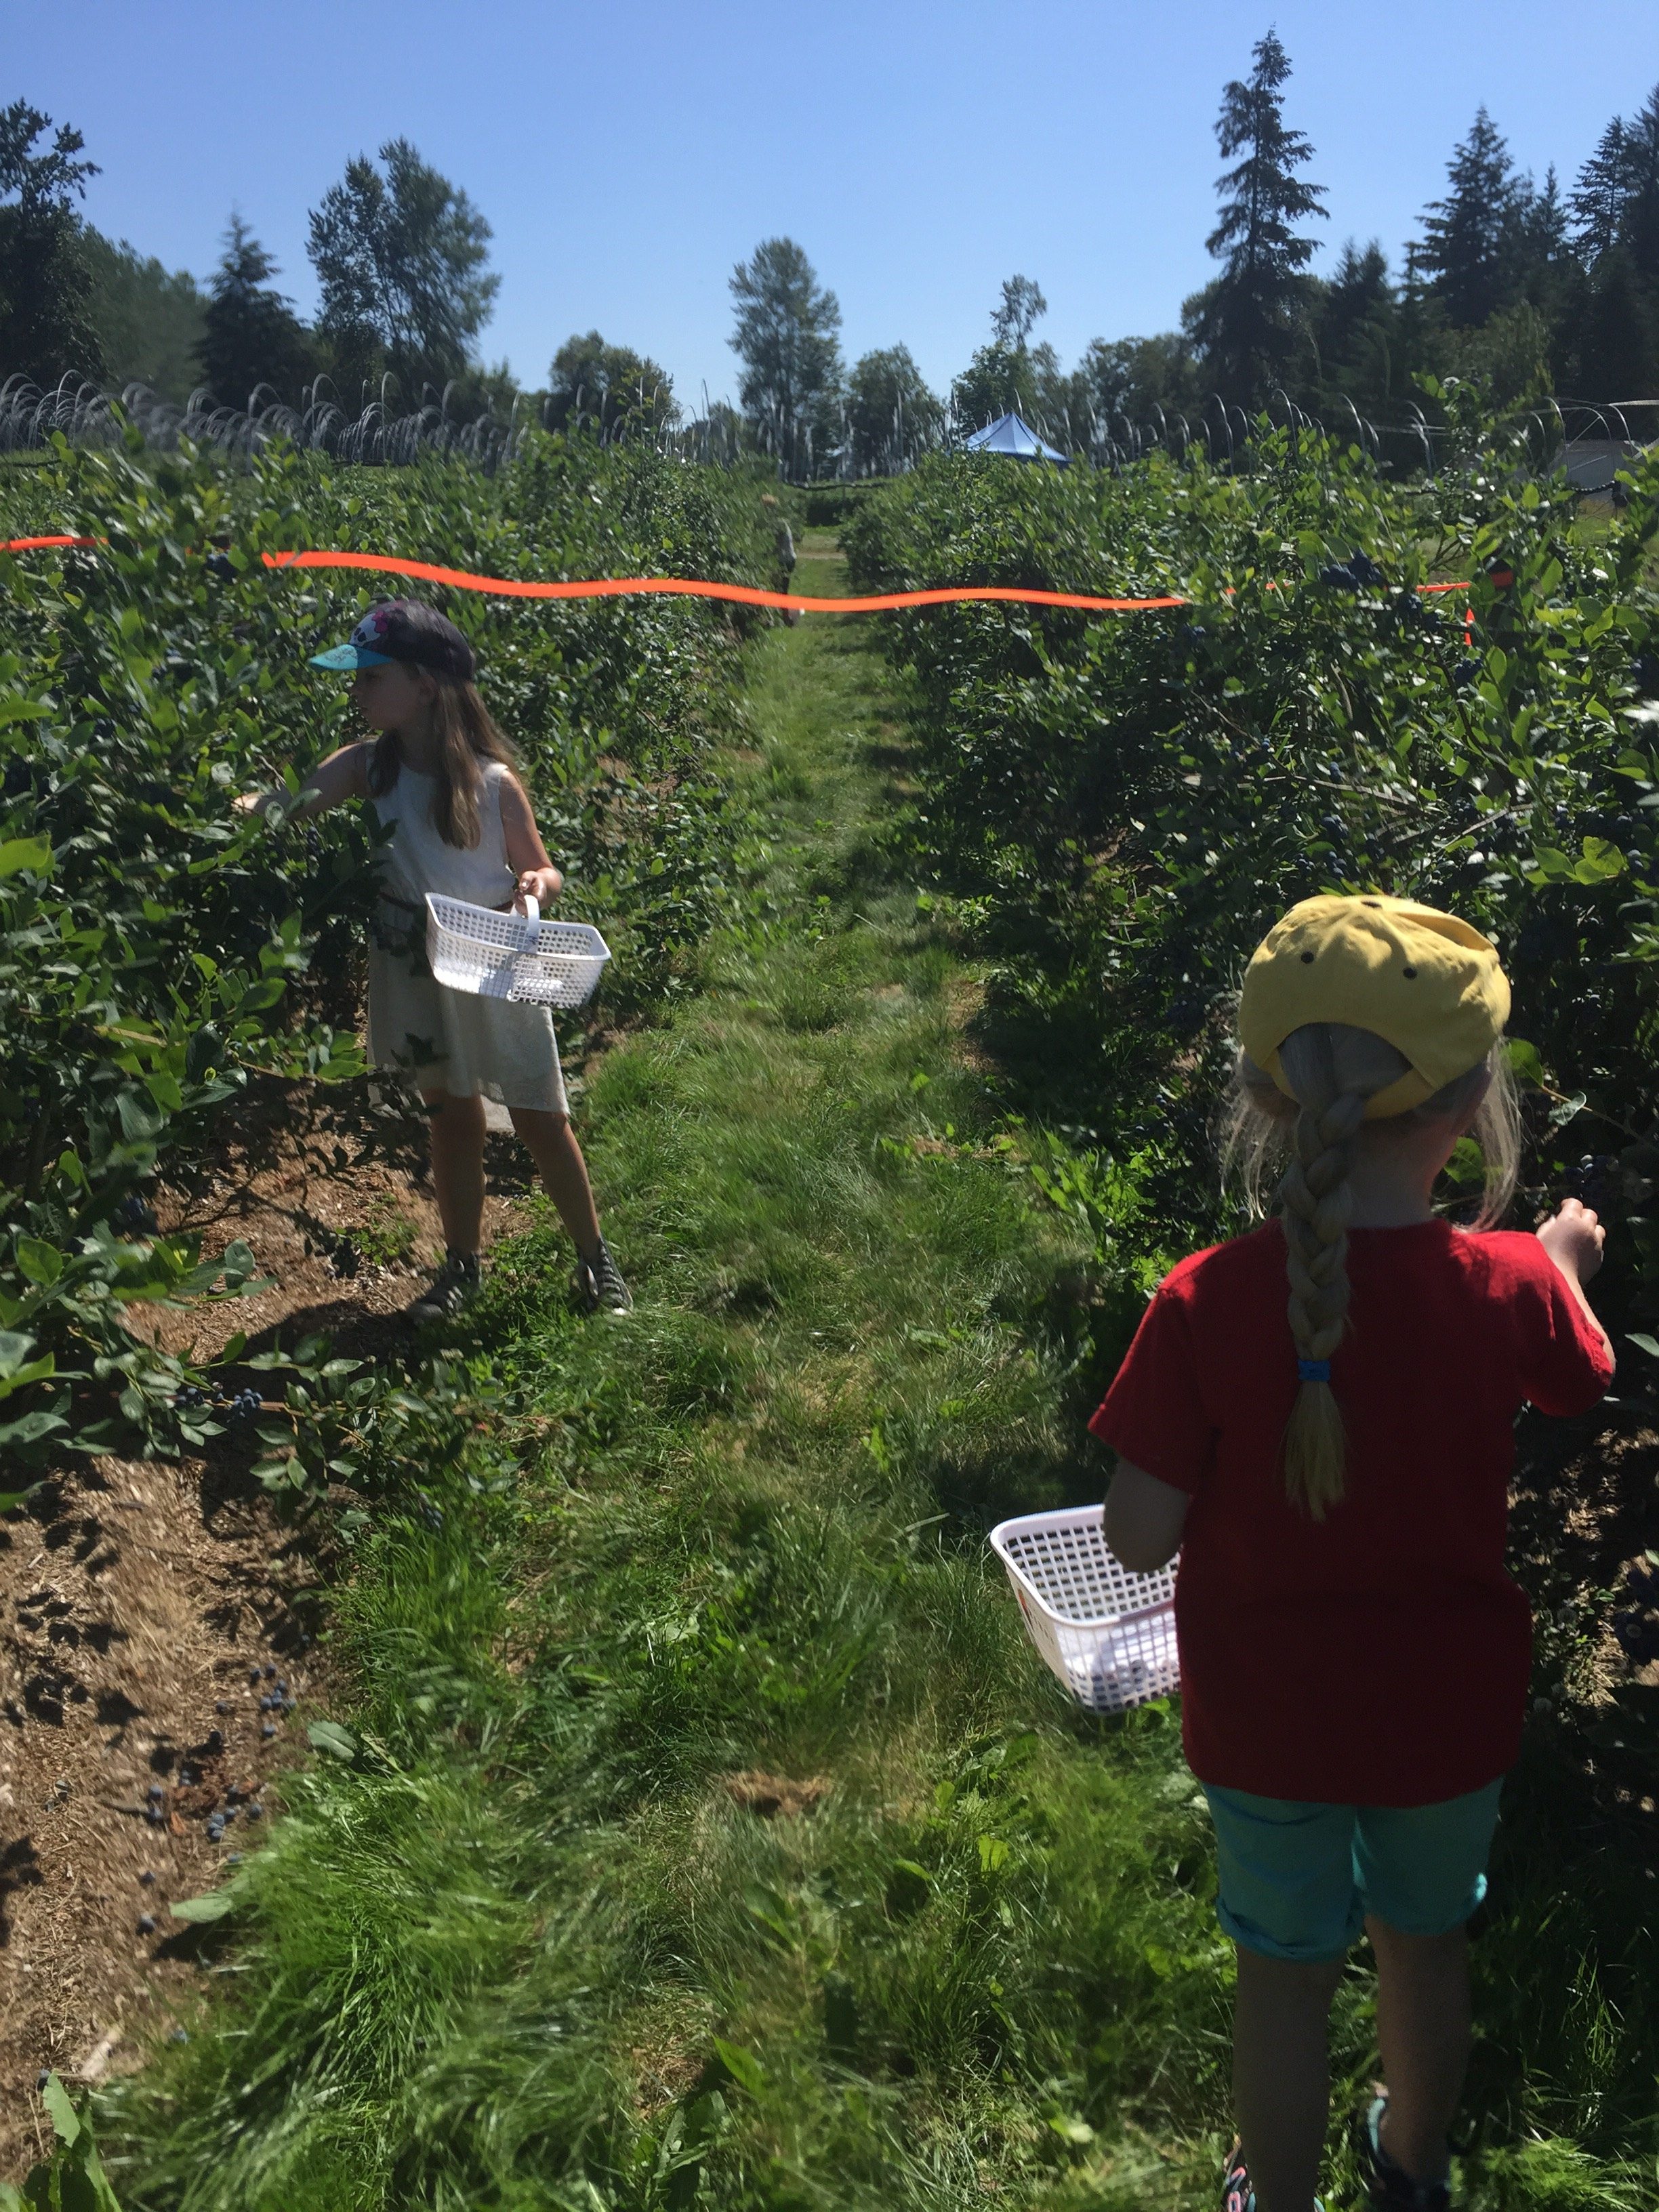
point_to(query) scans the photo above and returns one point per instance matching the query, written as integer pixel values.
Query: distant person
(786, 545)
(1354, 1654)
(441, 773)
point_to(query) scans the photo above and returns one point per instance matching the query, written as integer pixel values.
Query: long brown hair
(1332, 1070)
(467, 736)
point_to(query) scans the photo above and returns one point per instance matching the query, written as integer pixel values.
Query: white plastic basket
(512, 956)
(1107, 1636)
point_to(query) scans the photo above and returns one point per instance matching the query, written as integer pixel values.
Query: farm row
(1112, 813)
(162, 954)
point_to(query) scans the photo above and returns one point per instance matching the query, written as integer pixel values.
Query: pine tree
(1597, 204)
(1248, 322)
(1473, 247)
(252, 335)
(787, 337)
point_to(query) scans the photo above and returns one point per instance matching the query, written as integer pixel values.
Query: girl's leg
(552, 1145)
(1281, 2074)
(457, 1138)
(1423, 2031)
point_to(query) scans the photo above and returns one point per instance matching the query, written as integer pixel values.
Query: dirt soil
(156, 1618)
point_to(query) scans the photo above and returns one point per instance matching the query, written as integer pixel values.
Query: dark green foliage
(400, 257)
(148, 319)
(46, 326)
(1474, 246)
(251, 336)
(891, 414)
(1127, 804)
(608, 390)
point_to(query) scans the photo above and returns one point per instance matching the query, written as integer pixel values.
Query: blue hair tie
(1313, 1370)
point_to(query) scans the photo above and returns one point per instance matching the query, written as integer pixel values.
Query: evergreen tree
(1248, 322)
(1597, 204)
(1473, 244)
(401, 260)
(788, 339)
(1354, 320)
(1639, 226)
(47, 325)
(892, 415)
(252, 335)
(608, 390)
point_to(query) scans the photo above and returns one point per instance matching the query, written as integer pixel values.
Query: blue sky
(628, 156)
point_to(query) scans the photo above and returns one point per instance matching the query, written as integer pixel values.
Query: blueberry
(43, 2077)
(148, 1877)
(154, 1792)
(214, 1740)
(1465, 672)
(179, 2035)
(219, 565)
(254, 1673)
(256, 1811)
(268, 1728)
(269, 1671)
(282, 1687)
(221, 1706)
(146, 1923)
(156, 1817)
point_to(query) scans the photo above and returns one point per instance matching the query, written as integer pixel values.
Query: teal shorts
(1297, 1881)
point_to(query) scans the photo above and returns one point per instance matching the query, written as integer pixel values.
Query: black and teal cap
(404, 629)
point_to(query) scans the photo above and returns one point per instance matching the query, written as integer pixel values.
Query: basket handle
(532, 911)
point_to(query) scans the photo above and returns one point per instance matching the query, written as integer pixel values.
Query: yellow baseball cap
(1425, 981)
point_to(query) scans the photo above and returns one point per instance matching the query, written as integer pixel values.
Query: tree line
(1532, 289)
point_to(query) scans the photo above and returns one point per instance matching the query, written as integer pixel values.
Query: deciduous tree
(891, 414)
(401, 257)
(608, 389)
(787, 336)
(45, 276)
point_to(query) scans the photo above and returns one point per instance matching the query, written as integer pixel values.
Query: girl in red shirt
(1321, 1415)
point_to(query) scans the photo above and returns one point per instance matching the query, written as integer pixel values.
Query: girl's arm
(526, 855)
(1574, 1238)
(1144, 1518)
(343, 776)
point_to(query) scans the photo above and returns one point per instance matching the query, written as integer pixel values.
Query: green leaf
(1524, 1063)
(42, 1262)
(34, 854)
(1642, 1343)
(61, 2111)
(330, 1737)
(744, 2068)
(215, 1905)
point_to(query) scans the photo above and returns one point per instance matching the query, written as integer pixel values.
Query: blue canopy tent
(1008, 435)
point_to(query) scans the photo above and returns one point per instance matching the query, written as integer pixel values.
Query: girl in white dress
(440, 773)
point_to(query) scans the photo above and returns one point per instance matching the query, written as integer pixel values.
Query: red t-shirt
(1380, 1657)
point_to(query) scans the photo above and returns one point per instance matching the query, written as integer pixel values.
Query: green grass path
(541, 1944)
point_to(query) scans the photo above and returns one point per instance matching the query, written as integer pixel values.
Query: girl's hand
(543, 885)
(1573, 1237)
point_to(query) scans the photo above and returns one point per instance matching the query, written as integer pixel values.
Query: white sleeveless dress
(440, 1040)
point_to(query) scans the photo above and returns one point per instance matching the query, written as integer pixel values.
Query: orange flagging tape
(691, 588)
(747, 595)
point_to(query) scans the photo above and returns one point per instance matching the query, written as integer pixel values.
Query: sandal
(1391, 2188)
(1236, 2194)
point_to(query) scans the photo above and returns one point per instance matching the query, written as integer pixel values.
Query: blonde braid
(1317, 1202)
